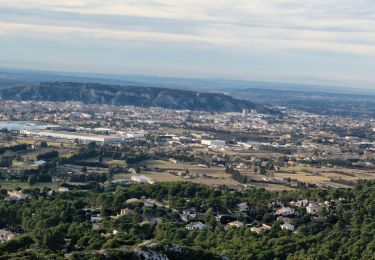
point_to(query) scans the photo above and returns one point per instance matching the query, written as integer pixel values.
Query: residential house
(260, 230)
(285, 211)
(141, 179)
(188, 215)
(235, 224)
(125, 212)
(313, 208)
(96, 219)
(149, 203)
(300, 203)
(195, 225)
(5, 235)
(243, 207)
(287, 226)
(16, 195)
(63, 189)
(132, 201)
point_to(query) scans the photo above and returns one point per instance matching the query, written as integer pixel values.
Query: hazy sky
(315, 41)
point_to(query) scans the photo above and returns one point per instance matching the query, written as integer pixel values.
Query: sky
(316, 41)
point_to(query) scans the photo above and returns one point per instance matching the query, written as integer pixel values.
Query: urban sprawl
(72, 147)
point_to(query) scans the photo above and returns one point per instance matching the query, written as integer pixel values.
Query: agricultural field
(324, 175)
(63, 152)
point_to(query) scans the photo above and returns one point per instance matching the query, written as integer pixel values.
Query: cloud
(85, 32)
(305, 22)
(339, 27)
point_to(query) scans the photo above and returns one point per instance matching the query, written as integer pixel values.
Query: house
(299, 203)
(96, 219)
(313, 208)
(195, 225)
(40, 162)
(16, 195)
(63, 189)
(243, 207)
(235, 224)
(188, 215)
(285, 211)
(260, 230)
(287, 226)
(149, 203)
(5, 235)
(172, 160)
(141, 179)
(125, 212)
(132, 201)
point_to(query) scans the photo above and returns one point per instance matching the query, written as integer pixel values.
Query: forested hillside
(57, 225)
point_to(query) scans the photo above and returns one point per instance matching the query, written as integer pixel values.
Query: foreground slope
(129, 95)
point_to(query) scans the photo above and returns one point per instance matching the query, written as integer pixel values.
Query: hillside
(92, 93)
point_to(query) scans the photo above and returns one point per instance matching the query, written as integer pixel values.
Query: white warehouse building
(219, 143)
(105, 139)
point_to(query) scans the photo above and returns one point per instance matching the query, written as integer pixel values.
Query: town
(156, 171)
(239, 150)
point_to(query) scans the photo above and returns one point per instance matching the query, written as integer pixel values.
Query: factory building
(215, 143)
(104, 139)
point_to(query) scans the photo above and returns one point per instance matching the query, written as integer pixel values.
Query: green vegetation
(51, 225)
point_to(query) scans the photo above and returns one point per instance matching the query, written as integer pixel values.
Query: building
(141, 179)
(132, 201)
(243, 207)
(96, 219)
(285, 211)
(260, 230)
(235, 224)
(101, 130)
(136, 135)
(245, 112)
(125, 212)
(5, 235)
(313, 208)
(215, 143)
(16, 195)
(299, 203)
(149, 203)
(63, 189)
(195, 225)
(104, 139)
(188, 215)
(287, 226)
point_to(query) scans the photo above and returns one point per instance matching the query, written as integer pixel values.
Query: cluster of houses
(194, 219)
(284, 215)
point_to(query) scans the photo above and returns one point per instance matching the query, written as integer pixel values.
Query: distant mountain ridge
(93, 93)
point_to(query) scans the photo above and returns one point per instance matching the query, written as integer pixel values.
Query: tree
(32, 179)
(51, 238)
(209, 217)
